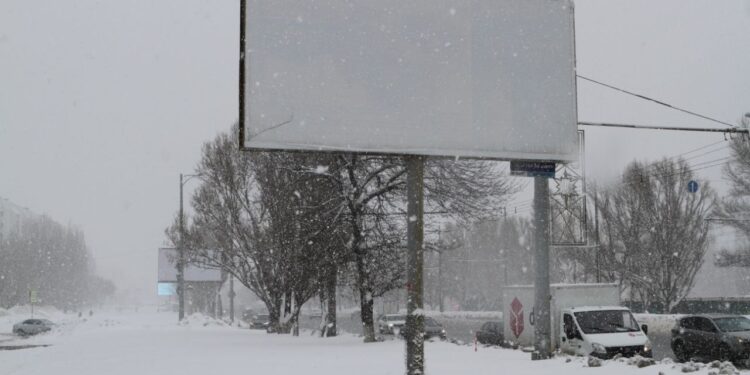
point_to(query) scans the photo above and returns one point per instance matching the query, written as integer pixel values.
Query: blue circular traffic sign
(692, 186)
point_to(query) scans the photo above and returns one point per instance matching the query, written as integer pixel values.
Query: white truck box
(518, 307)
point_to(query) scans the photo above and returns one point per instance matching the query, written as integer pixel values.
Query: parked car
(247, 315)
(391, 323)
(32, 327)
(491, 333)
(260, 321)
(711, 336)
(432, 328)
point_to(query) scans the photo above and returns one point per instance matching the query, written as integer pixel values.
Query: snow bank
(661, 323)
(151, 343)
(475, 315)
(45, 312)
(200, 320)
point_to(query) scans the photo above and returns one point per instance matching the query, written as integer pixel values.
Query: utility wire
(722, 148)
(692, 169)
(655, 101)
(652, 167)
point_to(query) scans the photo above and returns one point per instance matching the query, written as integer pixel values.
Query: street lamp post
(181, 250)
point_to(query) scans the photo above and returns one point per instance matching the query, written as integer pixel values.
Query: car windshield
(261, 317)
(733, 324)
(391, 318)
(606, 321)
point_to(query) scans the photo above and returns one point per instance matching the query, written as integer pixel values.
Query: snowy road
(151, 343)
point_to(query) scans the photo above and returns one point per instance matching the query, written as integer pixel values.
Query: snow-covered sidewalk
(150, 343)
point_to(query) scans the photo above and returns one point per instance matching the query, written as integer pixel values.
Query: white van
(599, 331)
(602, 332)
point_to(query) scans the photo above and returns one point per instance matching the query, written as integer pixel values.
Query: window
(705, 325)
(497, 327)
(688, 323)
(569, 327)
(606, 321)
(733, 324)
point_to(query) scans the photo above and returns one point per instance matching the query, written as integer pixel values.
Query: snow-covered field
(153, 343)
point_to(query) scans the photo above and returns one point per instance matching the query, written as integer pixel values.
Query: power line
(655, 101)
(722, 148)
(702, 148)
(674, 157)
(692, 169)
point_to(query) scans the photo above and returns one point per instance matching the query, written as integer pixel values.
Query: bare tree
(285, 223)
(654, 235)
(734, 209)
(52, 260)
(372, 189)
(259, 219)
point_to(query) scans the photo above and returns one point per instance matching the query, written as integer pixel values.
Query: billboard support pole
(414, 265)
(542, 316)
(241, 119)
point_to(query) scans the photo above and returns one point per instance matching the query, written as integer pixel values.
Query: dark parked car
(32, 327)
(391, 323)
(432, 328)
(491, 333)
(247, 315)
(260, 321)
(722, 337)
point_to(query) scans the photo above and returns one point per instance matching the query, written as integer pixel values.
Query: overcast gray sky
(104, 103)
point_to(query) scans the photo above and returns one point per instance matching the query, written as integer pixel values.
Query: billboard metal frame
(415, 165)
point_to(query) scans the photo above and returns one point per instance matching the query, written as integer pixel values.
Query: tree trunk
(330, 329)
(274, 315)
(323, 310)
(219, 307)
(286, 320)
(366, 304)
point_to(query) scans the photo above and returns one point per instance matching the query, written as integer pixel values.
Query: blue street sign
(692, 186)
(527, 168)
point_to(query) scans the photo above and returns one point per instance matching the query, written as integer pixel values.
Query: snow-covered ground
(153, 343)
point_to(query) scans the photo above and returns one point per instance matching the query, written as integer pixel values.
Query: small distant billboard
(194, 272)
(167, 289)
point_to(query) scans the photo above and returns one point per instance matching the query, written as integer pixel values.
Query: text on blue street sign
(529, 168)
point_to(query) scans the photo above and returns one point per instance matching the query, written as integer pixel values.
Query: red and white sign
(516, 317)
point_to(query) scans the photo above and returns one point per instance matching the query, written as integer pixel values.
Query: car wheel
(680, 351)
(725, 353)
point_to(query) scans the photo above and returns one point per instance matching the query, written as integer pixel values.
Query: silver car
(32, 327)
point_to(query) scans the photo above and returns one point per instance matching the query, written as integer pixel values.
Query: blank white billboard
(470, 78)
